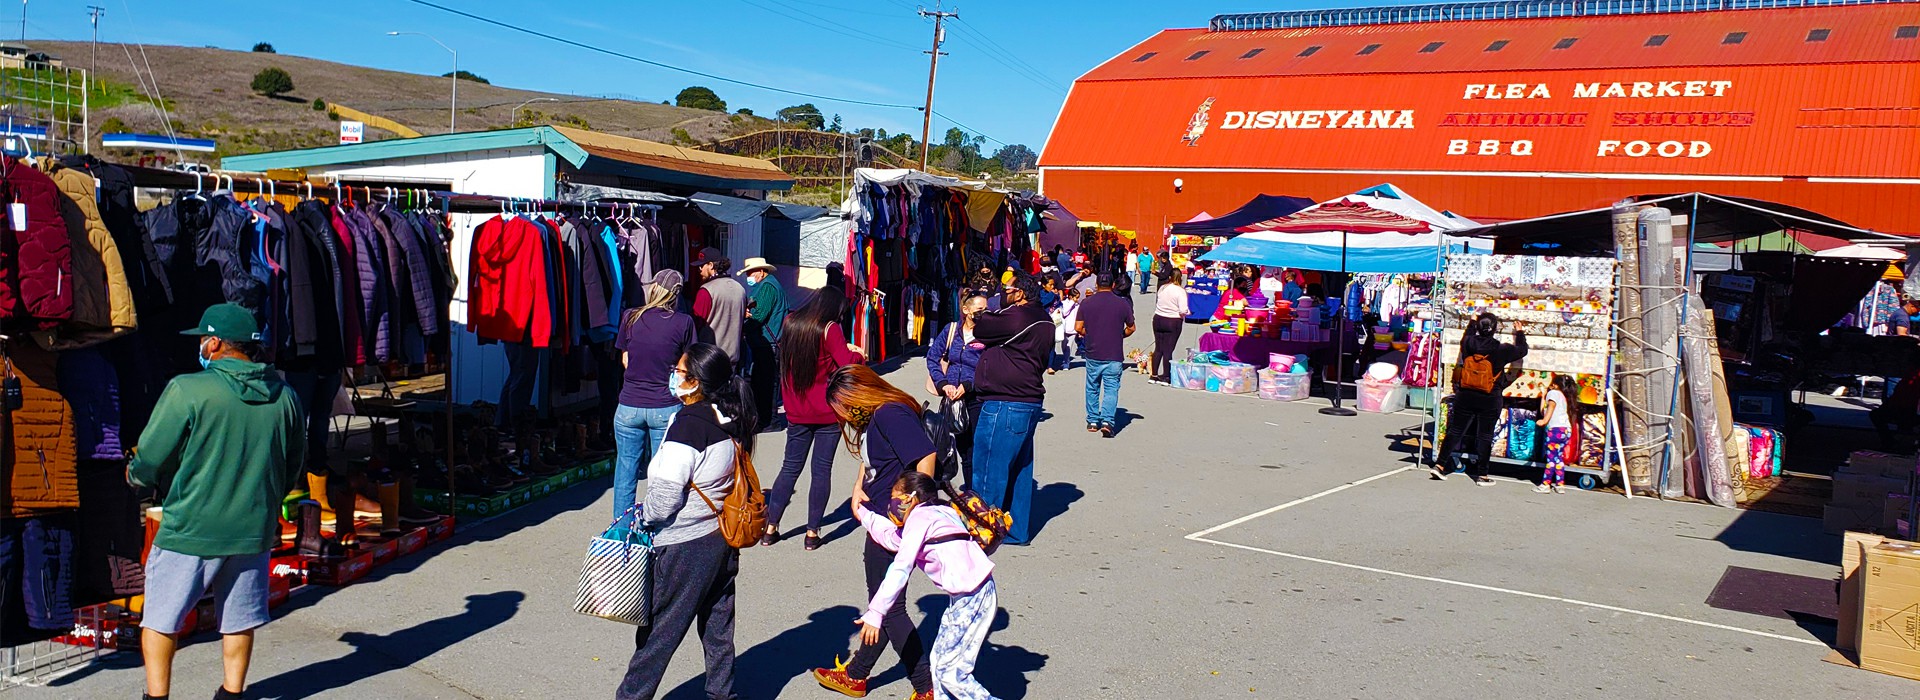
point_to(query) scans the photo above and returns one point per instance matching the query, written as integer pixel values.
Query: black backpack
(944, 424)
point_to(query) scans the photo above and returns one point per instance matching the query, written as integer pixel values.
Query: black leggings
(895, 627)
(1166, 335)
(1475, 425)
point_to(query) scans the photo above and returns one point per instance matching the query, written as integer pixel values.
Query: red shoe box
(383, 550)
(292, 567)
(414, 541)
(104, 626)
(440, 530)
(279, 589)
(339, 572)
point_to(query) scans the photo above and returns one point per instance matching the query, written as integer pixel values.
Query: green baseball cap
(229, 322)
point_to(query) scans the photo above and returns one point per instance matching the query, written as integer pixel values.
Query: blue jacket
(951, 345)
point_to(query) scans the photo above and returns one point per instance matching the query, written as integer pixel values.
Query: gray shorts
(176, 582)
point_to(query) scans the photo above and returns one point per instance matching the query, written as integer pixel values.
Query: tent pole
(1340, 338)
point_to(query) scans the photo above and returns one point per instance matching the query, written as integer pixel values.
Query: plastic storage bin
(1190, 375)
(1284, 386)
(1235, 378)
(1382, 397)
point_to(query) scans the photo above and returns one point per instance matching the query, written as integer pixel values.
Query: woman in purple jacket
(950, 362)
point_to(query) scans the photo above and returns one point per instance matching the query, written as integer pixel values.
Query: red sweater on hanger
(507, 290)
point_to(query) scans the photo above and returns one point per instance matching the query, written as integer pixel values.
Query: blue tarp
(1260, 208)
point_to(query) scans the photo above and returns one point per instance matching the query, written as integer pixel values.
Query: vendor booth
(1379, 231)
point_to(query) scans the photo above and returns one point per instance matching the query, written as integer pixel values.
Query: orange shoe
(921, 696)
(837, 680)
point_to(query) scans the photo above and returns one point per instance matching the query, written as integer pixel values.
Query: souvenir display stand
(1566, 307)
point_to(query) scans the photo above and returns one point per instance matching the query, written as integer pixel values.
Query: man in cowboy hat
(766, 313)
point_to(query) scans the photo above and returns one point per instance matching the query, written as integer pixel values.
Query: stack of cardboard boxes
(1880, 604)
(1872, 493)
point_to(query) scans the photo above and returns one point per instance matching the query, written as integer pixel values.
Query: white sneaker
(1543, 488)
(1439, 473)
(1483, 481)
(1559, 488)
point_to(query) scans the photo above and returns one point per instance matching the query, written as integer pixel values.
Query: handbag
(616, 579)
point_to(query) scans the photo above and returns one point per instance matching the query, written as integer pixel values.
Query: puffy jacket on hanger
(316, 322)
(102, 301)
(146, 282)
(44, 477)
(507, 292)
(420, 298)
(35, 266)
(352, 319)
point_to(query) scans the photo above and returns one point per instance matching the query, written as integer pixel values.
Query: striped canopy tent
(1380, 229)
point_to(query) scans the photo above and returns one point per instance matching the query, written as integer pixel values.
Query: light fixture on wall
(1178, 183)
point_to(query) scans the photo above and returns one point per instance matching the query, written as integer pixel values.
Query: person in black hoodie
(1016, 340)
(1475, 410)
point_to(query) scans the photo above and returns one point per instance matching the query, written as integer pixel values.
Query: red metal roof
(1856, 34)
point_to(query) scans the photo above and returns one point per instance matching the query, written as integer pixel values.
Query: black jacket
(1501, 355)
(1018, 340)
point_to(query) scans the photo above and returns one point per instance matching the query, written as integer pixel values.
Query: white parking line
(1201, 536)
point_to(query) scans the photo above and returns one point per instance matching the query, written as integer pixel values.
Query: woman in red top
(812, 346)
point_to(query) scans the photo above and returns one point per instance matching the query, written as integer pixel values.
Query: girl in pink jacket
(934, 538)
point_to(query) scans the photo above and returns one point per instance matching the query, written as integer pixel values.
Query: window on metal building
(1309, 51)
(1566, 43)
(1818, 35)
(1145, 56)
(1496, 46)
(1197, 54)
(1907, 32)
(1370, 48)
(1734, 38)
(1430, 48)
(1656, 40)
(1251, 54)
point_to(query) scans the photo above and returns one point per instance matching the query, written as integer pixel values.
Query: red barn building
(1506, 110)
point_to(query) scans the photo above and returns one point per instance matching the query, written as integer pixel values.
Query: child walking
(1063, 317)
(1556, 414)
(933, 537)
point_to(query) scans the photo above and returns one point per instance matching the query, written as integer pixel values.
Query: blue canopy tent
(1376, 230)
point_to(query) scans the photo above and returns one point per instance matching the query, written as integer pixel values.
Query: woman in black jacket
(1475, 410)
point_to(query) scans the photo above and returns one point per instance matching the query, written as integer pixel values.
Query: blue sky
(1006, 74)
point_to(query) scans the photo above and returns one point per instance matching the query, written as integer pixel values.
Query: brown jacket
(40, 468)
(102, 301)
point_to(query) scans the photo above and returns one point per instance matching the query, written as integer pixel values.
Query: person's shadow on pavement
(374, 654)
(1001, 668)
(765, 670)
(1051, 501)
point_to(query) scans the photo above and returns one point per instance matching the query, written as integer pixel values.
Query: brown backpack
(1474, 372)
(744, 519)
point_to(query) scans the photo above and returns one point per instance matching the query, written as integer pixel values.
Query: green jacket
(226, 442)
(769, 307)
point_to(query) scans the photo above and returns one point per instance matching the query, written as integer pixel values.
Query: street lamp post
(516, 108)
(453, 105)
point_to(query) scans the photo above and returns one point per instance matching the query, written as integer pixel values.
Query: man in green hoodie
(222, 447)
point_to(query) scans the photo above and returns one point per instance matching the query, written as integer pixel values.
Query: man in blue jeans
(1105, 322)
(1016, 340)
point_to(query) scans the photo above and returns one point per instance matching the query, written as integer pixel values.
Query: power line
(832, 26)
(1014, 57)
(969, 129)
(656, 64)
(1023, 69)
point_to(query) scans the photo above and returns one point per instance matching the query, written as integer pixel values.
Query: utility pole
(933, 68)
(93, 15)
(23, 21)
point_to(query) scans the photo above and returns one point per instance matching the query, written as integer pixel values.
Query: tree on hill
(697, 97)
(272, 82)
(263, 47)
(743, 111)
(805, 115)
(1016, 157)
(468, 76)
(833, 127)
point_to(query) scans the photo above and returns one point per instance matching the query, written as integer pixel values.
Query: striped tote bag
(616, 579)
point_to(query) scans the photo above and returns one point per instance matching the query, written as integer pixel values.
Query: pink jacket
(957, 566)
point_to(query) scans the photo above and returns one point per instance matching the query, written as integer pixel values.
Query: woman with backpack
(950, 364)
(934, 536)
(693, 565)
(811, 347)
(882, 427)
(1479, 378)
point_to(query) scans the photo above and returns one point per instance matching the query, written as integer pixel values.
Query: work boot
(389, 509)
(311, 541)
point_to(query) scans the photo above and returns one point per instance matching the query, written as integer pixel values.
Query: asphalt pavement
(1217, 547)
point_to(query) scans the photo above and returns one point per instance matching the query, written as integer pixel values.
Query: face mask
(202, 353)
(676, 385)
(751, 281)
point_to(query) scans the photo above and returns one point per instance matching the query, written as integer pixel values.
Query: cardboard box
(413, 541)
(1838, 519)
(1890, 610)
(1871, 463)
(441, 529)
(1853, 551)
(1857, 490)
(383, 550)
(339, 572)
(1892, 511)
